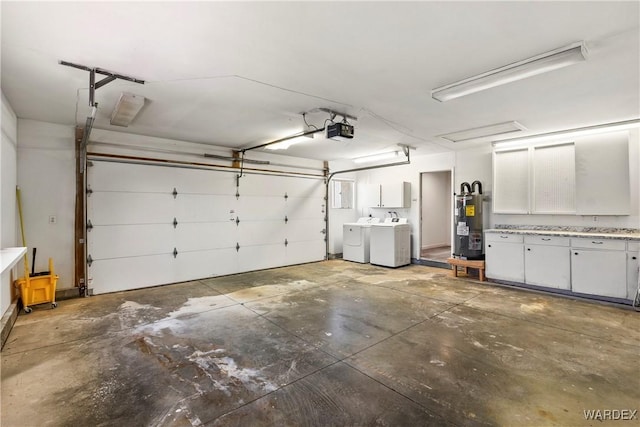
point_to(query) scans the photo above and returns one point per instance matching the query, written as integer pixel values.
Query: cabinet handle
(504, 237)
(528, 249)
(489, 245)
(546, 239)
(634, 257)
(575, 253)
(596, 243)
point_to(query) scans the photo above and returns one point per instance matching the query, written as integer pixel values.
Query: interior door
(436, 216)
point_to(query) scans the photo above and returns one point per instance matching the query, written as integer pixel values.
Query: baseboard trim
(436, 245)
(68, 293)
(6, 324)
(430, 263)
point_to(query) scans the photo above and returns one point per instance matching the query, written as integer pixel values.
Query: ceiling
(238, 74)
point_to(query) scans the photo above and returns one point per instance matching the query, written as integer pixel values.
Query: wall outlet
(595, 218)
(52, 219)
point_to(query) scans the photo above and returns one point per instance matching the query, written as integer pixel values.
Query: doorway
(436, 216)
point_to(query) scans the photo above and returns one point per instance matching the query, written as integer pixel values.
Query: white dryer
(355, 239)
(391, 243)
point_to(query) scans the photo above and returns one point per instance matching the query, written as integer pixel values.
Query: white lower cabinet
(504, 258)
(547, 261)
(591, 266)
(599, 267)
(633, 264)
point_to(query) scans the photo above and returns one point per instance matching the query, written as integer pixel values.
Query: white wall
(472, 165)
(338, 217)
(120, 143)
(476, 164)
(8, 174)
(46, 177)
(410, 173)
(124, 144)
(46, 174)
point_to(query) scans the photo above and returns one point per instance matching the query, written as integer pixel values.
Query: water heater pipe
(473, 187)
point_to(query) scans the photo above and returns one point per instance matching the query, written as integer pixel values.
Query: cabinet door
(370, 195)
(632, 274)
(600, 188)
(511, 181)
(394, 195)
(599, 272)
(554, 179)
(390, 196)
(547, 266)
(504, 261)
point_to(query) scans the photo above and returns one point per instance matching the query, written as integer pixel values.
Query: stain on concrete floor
(328, 343)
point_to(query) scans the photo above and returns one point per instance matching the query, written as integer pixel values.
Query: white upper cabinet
(395, 195)
(602, 174)
(589, 176)
(511, 181)
(554, 179)
(388, 195)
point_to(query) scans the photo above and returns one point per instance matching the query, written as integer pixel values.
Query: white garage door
(143, 233)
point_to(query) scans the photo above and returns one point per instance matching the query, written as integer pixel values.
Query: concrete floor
(326, 344)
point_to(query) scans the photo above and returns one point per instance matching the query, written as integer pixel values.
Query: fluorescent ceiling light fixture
(127, 108)
(376, 157)
(283, 145)
(569, 133)
(484, 132)
(549, 61)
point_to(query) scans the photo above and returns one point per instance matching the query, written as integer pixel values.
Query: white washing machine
(355, 239)
(391, 243)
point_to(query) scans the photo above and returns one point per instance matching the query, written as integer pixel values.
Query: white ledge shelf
(10, 257)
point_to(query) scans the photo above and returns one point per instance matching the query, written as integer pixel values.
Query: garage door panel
(304, 187)
(121, 274)
(261, 232)
(196, 181)
(252, 258)
(202, 264)
(205, 236)
(303, 230)
(111, 176)
(117, 241)
(204, 207)
(258, 185)
(130, 208)
(301, 252)
(303, 208)
(261, 208)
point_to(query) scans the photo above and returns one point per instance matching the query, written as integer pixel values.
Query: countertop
(605, 233)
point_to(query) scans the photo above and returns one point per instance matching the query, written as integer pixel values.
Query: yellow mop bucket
(38, 289)
(35, 288)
